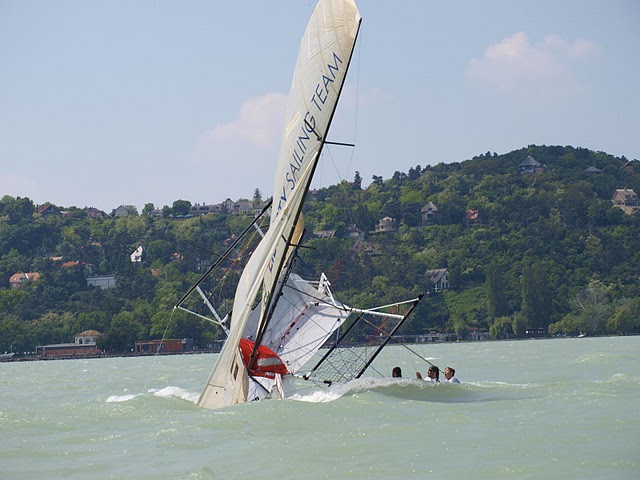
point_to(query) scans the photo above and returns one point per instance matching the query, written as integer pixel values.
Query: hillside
(544, 252)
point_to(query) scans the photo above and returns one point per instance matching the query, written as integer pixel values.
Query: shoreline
(33, 358)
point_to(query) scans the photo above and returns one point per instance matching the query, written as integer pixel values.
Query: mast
(332, 71)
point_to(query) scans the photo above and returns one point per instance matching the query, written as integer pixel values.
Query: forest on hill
(544, 253)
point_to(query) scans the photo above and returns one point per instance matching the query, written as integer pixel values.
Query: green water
(556, 409)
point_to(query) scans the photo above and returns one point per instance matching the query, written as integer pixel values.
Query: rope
(416, 354)
(164, 335)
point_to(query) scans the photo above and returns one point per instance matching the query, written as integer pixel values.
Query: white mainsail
(304, 318)
(323, 60)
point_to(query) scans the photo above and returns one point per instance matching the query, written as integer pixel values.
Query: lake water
(555, 409)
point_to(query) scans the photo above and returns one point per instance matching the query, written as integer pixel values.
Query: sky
(127, 103)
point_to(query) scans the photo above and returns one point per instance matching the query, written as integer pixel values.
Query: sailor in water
(449, 374)
(396, 372)
(433, 374)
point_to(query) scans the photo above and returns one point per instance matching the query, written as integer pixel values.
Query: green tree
(593, 307)
(497, 305)
(357, 181)
(519, 324)
(131, 209)
(468, 309)
(125, 329)
(536, 300)
(13, 334)
(501, 327)
(181, 208)
(148, 208)
(257, 197)
(626, 319)
(18, 210)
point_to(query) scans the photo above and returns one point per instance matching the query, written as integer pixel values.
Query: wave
(593, 358)
(176, 392)
(419, 390)
(360, 385)
(338, 390)
(317, 396)
(121, 398)
(166, 392)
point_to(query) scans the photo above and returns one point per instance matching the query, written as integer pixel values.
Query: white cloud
(253, 134)
(577, 50)
(258, 123)
(234, 157)
(542, 70)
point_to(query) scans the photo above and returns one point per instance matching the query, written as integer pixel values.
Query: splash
(359, 385)
(166, 392)
(177, 392)
(317, 396)
(121, 398)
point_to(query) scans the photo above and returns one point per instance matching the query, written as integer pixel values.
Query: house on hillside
(439, 278)
(227, 205)
(121, 211)
(95, 213)
(471, 217)
(324, 233)
(49, 210)
(531, 165)
(204, 209)
(102, 281)
(626, 199)
(386, 224)
(353, 231)
(17, 280)
(429, 213)
(202, 264)
(243, 207)
(136, 256)
(592, 170)
(72, 264)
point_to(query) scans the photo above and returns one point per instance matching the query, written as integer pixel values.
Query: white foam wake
(166, 392)
(121, 398)
(176, 392)
(336, 391)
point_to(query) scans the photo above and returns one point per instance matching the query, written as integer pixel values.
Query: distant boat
(279, 320)
(582, 335)
(6, 356)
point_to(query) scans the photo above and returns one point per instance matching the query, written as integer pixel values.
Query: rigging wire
(157, 354)
(414, 352)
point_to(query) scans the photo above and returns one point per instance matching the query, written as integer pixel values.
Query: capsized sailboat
(279, 321)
